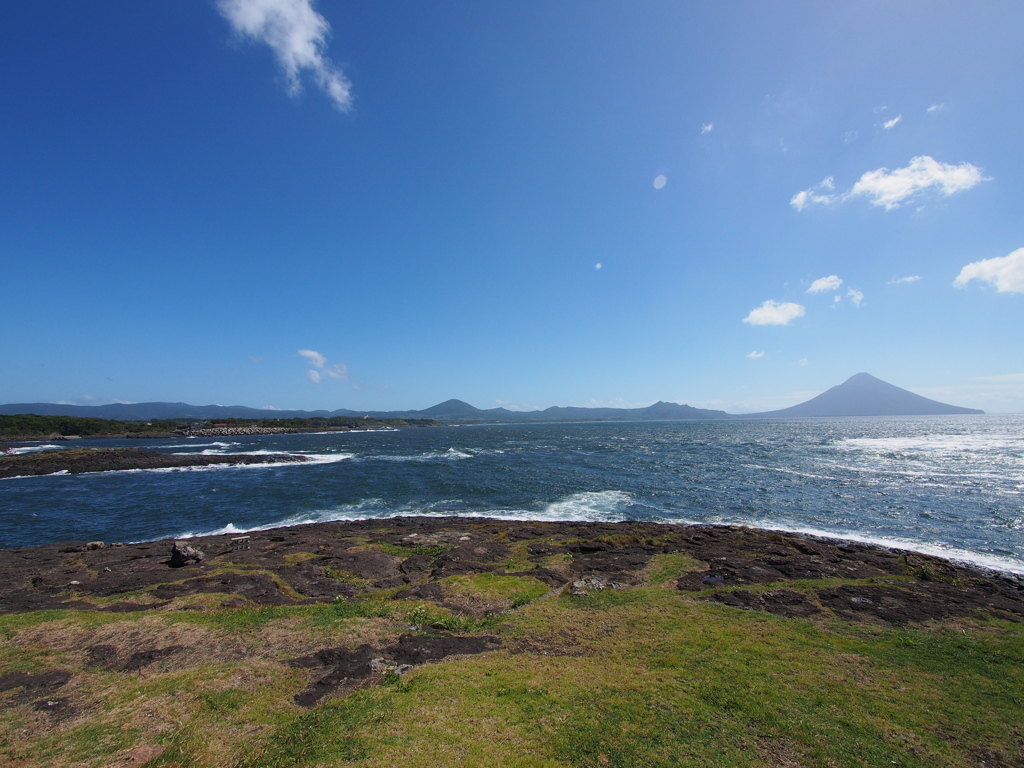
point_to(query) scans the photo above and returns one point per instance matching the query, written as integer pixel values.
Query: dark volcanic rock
(351, 668)
(102, 655)
(781, 602)
(342, 560)
(919, 601)
(470, 557)
(141, 659)
(366, 564)
(431, 591)
(313, 581)
(79, 460)
(183, 554)
(257, 587)
(59, 708)
(33, 685)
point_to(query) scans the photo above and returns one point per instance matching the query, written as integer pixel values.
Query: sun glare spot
(598, 265)
(660, 181)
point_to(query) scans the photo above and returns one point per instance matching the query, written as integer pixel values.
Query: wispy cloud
(907, 279)
(297, 35)
(320, 370)
(936, 108)
(855, 296)
(1006, 273)
(774, 313)
(891, 188)
(707, 128)
(819, 194)
(755, 355)
(822, 284)
(256, 358)
(337, 371)
(890, 124)
(314, 358)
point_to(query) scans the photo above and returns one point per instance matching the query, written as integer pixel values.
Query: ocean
(946, 485)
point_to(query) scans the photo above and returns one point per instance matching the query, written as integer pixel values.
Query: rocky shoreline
(411, 557)
(255, 638)
(78, 460)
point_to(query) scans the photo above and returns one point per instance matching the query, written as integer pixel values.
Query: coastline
(80, 460)
(71, 574)
(443, 641)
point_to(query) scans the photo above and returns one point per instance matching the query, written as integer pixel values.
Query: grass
(646, 677)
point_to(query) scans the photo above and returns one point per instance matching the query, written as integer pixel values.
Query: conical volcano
(864, 395)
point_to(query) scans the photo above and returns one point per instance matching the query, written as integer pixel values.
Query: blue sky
(384, 205)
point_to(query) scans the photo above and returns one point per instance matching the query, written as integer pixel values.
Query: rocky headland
(78, 460)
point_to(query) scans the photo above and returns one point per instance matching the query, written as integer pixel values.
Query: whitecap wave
(452, 454)
(933, 444)
(23, 449)
(200, 445)
(594, 506)
(937, 549)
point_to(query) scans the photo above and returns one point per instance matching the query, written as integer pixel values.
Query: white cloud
(755, 355)
(907, 279)
(822, 284)
(855, 296)
(891, 189)
(774, 313)
(315, 358)
(890, 124)
(804, 361)
(337, 371)
(320, 369)
(802, 199)
(836, 299)
(297, 35)
(936, 108)
(707, 128)
(1006, 273)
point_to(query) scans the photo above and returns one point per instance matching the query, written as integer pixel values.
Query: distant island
(860, 395)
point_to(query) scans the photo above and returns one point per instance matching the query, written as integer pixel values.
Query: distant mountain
(450, 410)
(148, 411)
(860, 395)
(864, 395)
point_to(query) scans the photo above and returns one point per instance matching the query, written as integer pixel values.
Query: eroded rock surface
(411, 558)
(352, 668)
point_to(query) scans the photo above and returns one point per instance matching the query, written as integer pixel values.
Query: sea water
(947, 485)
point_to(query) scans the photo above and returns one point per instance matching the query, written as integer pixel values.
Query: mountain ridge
(860, 395)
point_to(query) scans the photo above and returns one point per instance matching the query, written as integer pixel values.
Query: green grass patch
(643, 677)
(338, 731)
(520, 590)
(670, 566)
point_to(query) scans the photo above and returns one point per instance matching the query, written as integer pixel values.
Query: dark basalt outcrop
(410, 558)
(352, 668)
(79, 460)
